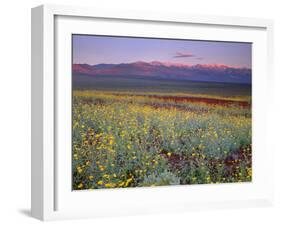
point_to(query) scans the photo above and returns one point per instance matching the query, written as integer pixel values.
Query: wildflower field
(134, 139)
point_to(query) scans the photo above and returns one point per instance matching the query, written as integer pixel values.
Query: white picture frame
(51, 198)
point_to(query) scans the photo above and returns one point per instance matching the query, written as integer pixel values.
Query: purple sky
(92, 50)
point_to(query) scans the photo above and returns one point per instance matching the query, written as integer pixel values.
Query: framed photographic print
(138, 113)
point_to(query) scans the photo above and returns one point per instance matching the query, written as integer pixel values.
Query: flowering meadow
(134, 139)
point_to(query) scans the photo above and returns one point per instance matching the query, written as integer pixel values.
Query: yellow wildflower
(106, 176)
(128, 182)
(79, 169)
(121, 184)
(102, 168)
(109, 185)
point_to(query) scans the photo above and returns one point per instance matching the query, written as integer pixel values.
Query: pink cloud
(183, 55)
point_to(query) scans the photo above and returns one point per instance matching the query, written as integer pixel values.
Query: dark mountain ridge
(156, 69)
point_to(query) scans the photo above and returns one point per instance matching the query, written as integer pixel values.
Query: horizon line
(167, 64)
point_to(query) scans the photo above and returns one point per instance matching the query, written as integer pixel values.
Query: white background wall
(15, 111)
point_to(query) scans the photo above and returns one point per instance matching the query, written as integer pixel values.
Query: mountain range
(164, 70)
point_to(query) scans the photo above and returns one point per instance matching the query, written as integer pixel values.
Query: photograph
(160, 111)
